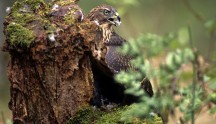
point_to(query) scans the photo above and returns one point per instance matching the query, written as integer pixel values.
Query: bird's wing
(115, 60)
(115, 40)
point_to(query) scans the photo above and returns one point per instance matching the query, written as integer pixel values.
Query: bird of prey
(109, 62)
(106, 17)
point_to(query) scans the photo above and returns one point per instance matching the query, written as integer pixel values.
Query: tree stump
(50, 71)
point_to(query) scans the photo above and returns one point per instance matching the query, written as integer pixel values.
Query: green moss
(36, 4)
(28, 6)
(63, 2)
(26, 11)
(69, 18)
(91, 115)
(86, 115)
(50, 28)
(154, 120)
(113, 117)
(22, 18)
(19, 35)
(23, 13)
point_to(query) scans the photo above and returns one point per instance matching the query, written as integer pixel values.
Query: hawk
(109, 62)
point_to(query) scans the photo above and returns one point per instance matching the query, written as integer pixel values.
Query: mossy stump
(49, 69)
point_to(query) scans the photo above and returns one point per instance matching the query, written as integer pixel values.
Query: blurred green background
(147, 16)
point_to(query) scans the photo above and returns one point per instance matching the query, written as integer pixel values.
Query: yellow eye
(106, 12)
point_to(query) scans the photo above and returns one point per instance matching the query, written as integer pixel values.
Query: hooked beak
(115, 20)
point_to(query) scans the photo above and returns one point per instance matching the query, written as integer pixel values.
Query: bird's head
(104, 15)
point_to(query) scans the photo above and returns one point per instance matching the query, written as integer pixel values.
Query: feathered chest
(106, 34)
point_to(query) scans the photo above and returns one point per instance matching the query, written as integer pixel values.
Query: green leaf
(178, 59)
(189, 54)
(213, 97)
(212, 110)
(212, 85)
(211, 25)
(170, 58)
(206, 78)
(183, 35)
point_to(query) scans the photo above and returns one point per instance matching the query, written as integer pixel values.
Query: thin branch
(194, 78)
(193, 11)
(201, 19)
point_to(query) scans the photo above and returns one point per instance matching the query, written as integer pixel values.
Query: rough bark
(50, 71)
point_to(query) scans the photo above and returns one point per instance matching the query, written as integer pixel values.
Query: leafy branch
(167, 77)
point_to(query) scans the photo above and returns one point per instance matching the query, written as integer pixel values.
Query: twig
(193, 11)
(202, 20)
(194, 78)
(211, 45)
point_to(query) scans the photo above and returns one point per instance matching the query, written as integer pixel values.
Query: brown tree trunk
(49, 70)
